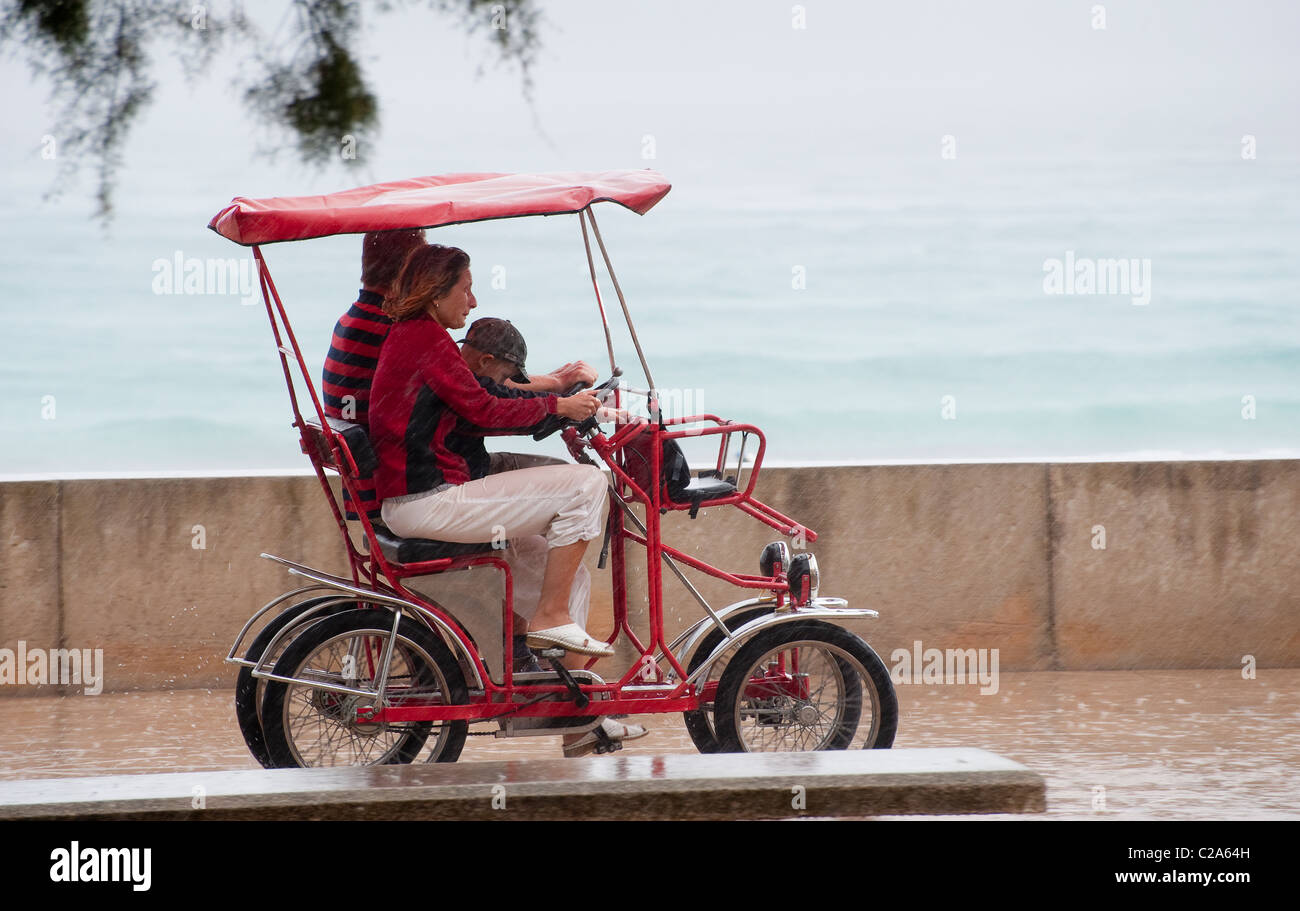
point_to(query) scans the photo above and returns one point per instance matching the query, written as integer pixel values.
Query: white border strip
(1141, 456)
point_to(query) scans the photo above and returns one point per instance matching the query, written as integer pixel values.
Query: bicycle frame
(657, 680)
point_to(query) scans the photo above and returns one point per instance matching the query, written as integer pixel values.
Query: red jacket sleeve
(441, 367)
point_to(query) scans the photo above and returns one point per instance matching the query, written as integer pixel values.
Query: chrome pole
(609, 267)
(591, 267)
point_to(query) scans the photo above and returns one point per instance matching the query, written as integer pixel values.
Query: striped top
(349, 369)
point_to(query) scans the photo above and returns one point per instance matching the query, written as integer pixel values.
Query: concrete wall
(1200, 566)
(117, 565)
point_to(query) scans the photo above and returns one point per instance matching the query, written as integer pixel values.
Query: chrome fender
(392, 603)
(821, 609)
(702, 627)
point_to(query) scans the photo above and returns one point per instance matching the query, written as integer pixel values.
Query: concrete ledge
(736, 786)
(1062, 566)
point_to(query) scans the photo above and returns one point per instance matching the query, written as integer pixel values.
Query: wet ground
(1110, 744)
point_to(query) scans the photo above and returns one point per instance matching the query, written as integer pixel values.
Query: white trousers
(535, 508)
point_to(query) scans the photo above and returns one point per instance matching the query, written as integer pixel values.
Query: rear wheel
(805, 686)
(249, 690)
(308, 727)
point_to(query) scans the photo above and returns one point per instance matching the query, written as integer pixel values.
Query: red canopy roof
(427, 202)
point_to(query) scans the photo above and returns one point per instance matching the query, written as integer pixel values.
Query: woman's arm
(441, 367)
(507, 391)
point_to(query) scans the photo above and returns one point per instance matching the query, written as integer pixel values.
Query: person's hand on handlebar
(578, 372)
(577, 407)
(607, 415)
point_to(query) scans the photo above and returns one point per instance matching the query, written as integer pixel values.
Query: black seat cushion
(397, 549)
(705, 488)
(417, 550)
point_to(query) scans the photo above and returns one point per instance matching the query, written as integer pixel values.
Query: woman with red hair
(422, 391)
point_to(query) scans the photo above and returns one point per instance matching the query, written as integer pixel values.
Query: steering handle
(609, 385)
(590, 423)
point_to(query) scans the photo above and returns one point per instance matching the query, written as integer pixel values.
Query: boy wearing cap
(496, 353)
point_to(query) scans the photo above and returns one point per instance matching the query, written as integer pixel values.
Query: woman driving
(422, 388)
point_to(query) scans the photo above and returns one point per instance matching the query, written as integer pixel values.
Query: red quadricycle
(405, 655)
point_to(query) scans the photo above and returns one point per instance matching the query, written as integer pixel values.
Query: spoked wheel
(308, 727)
(699, 722)
(805, 686)
(249, 690)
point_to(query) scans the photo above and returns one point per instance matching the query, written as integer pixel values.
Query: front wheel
(805, 686)
(699, 722)
(308, 727)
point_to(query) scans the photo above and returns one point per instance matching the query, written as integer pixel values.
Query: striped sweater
(349, 370)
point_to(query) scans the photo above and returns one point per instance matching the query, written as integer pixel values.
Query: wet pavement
(1110, 744)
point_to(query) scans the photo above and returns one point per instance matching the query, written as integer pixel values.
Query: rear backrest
(316, 445)
(675, 473)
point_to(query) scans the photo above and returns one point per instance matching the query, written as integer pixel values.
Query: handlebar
(590, 423)
(604, 389)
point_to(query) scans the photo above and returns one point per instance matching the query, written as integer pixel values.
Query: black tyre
(309, 727)
(699, 722)
(804, 686)
(249, 689)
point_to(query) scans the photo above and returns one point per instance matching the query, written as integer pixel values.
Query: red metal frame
(328, 451)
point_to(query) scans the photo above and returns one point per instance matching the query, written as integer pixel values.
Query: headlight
(804, 578)
(775, 554)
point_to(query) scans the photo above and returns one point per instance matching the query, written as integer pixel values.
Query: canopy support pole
(609, 267)
(270, 293)
(591, 267)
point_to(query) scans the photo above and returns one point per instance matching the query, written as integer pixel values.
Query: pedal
(553, 655)
(605, 743)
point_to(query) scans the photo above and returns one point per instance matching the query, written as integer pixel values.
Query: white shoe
(570, 637)
(614, 730)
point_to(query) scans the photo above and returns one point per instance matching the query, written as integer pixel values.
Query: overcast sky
(734, 87)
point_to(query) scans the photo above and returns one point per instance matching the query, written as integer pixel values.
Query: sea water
(863, 311)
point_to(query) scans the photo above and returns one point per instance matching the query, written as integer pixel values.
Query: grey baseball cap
(499, 338)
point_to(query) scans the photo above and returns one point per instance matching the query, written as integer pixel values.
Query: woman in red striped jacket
(421, 391)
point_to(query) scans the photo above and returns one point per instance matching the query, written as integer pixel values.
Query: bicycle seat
(705, 487)
(417, 550)
(394, 548)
